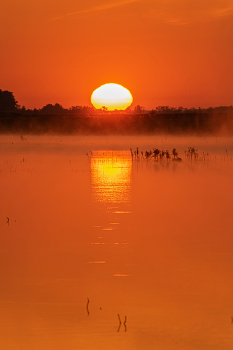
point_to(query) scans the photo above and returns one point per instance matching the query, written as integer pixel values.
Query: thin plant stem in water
(88, 307)
(125, 324)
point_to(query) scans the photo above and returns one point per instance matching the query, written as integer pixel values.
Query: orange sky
(166, 52)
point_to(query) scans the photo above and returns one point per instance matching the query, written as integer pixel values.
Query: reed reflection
(111, 176)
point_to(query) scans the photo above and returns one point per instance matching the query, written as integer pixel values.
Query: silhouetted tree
(88, 110)
(7, 101)
(50, 109)
(75, 110)
(139, 109)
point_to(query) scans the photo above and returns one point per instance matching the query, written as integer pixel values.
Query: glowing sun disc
(111, 96)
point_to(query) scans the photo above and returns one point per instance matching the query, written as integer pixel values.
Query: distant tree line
(84, 119)
(8, 104)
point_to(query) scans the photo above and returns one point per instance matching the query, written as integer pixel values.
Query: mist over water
(148, 240)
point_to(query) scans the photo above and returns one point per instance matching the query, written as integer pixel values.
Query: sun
(111, 96)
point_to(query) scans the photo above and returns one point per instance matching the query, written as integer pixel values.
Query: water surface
(143, 239)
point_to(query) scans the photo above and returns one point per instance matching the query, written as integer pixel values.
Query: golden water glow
(111, 96)
(111, 176)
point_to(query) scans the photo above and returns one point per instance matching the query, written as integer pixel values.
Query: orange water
(149, 240)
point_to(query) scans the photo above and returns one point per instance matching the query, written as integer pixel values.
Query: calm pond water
(90, 237)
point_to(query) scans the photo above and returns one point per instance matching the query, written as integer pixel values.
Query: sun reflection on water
(111, 176)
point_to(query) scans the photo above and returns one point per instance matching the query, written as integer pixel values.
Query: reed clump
(191, 153)
(156, 154)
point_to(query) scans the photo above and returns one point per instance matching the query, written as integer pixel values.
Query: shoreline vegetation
(160, 155)
(216, 121)
(54, 119)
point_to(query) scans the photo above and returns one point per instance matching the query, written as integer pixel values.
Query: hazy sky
(166, 52)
